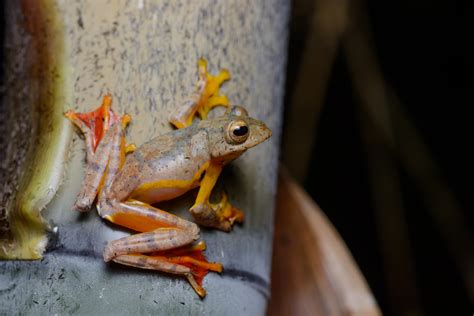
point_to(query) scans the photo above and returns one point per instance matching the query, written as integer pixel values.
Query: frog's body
(162, 169)
(172, 164)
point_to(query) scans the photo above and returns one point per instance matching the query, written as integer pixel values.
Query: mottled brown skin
(162, 169)
(180, 156)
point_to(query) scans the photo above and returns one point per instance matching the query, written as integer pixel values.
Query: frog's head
(233, 133)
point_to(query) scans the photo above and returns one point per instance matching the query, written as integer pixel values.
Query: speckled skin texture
(144, 53)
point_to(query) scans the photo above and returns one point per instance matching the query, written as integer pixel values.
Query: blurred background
(377, 130)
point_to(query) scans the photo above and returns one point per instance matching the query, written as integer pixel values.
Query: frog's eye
(237, 132)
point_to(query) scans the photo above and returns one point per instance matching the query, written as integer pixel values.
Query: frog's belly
(157, 194)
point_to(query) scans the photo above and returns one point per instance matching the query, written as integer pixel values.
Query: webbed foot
(221, 215)
(187, 261)
(203, 99)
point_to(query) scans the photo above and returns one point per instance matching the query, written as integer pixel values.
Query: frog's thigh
(161, 230)
(142, 217)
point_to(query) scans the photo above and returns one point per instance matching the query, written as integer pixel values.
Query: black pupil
(240, 130)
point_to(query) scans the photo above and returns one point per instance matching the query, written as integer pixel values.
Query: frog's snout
(259, 132)
(265, 132)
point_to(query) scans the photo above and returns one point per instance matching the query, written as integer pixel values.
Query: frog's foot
(165, 243)
(194, 270)
(193, 258)
(203, 99)
(105, 142)
(95, 124)
(221, 215)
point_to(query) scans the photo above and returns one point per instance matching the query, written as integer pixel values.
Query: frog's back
(165, 167)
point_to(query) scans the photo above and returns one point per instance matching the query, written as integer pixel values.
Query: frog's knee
(194, 231)
(82, 206)
(109, 253)
(105, 209)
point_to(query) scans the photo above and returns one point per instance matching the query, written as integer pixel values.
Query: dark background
(424, 51)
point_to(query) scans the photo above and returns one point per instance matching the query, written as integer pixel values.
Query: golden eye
(237, 132)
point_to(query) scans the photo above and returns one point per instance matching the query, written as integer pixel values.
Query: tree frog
(126, 186)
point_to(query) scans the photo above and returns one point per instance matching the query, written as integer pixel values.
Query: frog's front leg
(203, 99)
(221, 215)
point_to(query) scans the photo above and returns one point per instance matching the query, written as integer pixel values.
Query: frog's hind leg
(203, 99)
(178, 265)
(165, 243)
(95, 170)
(105, 141)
